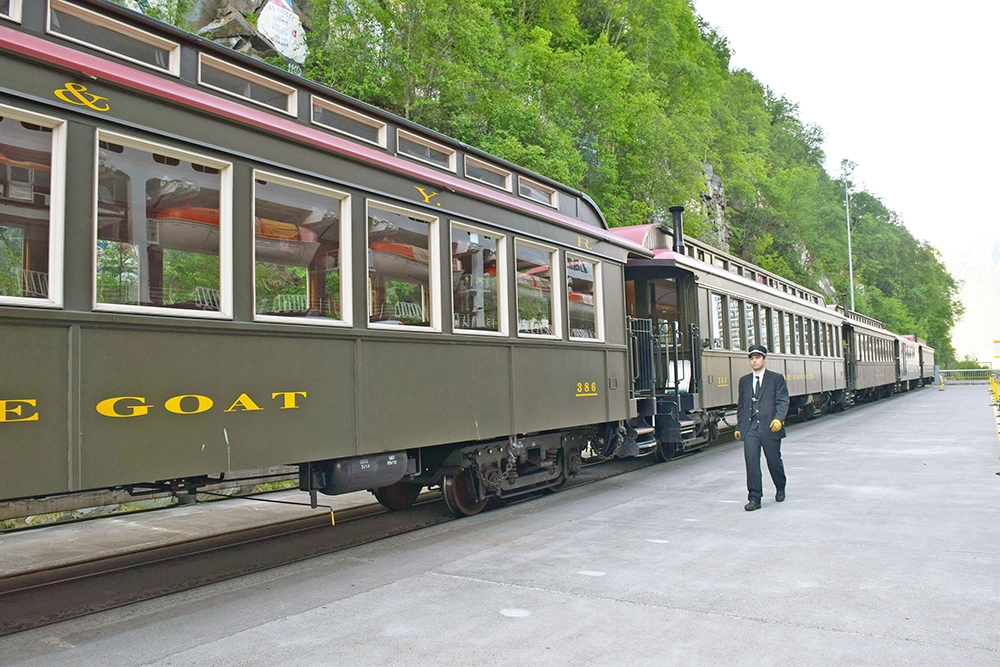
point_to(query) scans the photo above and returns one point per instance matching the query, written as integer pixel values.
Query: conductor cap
(757, 349)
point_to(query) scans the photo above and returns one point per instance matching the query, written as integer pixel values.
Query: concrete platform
(886, 552)
(37, 549)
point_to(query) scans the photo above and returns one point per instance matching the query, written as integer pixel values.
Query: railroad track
(35, 599)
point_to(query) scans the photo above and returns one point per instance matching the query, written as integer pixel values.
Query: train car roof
(734, 269)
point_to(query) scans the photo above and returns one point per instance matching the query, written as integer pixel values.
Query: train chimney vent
(676, 211)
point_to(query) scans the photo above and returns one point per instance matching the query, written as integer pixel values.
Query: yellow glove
(775, 425)
(737, 435)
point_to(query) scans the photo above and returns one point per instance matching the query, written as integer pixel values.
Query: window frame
(481, 164)
(776, 340)
(13, 11)
(291, 93)
(346, 254)
(598, 297)
(750, 323)
(736, 345)
(433, 269)
(553, 193)
(89, 16)
(555, 282)
(503, 319)
(225, 311)
(334, 108)
(57, 208)
(427, 143)
(718, 320)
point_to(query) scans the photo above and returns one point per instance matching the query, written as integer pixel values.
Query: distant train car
(927, 368)
(873, 366)
(908, 362)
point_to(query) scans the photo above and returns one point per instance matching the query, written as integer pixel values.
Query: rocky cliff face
(713, 199)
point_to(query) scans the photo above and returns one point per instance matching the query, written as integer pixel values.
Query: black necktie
(756, 386)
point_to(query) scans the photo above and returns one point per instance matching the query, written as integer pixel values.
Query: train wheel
(460, 495)
(665, 451)
(398, 496)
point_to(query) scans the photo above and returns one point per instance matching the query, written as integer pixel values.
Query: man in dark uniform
(760, 416)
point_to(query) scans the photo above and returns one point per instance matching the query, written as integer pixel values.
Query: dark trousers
(752, 444)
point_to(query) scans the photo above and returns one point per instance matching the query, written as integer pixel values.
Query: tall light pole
(847, 166)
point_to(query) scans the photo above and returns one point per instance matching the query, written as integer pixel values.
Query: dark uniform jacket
(772, 403)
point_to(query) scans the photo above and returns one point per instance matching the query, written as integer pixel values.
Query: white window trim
(553, 193)
(409, 136)
(344, 260)
(501, 282)
(433, 269)
(315, 101)
(508, 176)
(555, 279)
(57, 207)
(13, 11)
(291, 94)
(598, 298)
(225, 311)
(174, 49)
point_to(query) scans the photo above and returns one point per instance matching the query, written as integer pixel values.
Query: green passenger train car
(209, 265)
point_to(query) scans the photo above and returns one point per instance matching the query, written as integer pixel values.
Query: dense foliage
(635, 103)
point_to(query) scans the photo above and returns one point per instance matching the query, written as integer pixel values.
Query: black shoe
(752, 505)
(779, 496)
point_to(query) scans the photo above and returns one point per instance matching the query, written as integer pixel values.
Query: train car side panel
(555, 388)
(159, 405)
(34, 412)
(418, 394)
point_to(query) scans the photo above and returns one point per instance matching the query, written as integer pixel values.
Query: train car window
(479, 279)
(353, 124)
(824, 350)
(762, 319)
(701, 255)
(735, 329)
(537, 192)
(10, 9)
(299, 258)
(718, 322)
(750, 323)
(798, 343)
(238, 82)
(402, 268)
(107, 35)
(163, 229)
(535, 268)
(775, 340)
(421, 149)
(31, 192)
(786, 329)
(477, 170)
(583, 298)
(807, 338)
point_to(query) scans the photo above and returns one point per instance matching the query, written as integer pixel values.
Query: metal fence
(968, 376)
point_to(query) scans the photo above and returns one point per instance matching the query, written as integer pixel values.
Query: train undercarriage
(473, 474)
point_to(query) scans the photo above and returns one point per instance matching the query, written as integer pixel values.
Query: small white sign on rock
(281, 25)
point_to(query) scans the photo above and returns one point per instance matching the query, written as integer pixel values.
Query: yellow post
(941, 388)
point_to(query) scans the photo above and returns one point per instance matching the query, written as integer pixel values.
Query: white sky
(908, 91)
